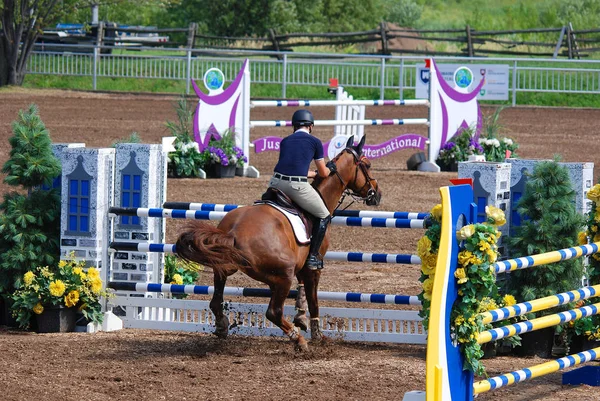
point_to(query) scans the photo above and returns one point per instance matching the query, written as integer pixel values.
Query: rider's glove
(331, 166)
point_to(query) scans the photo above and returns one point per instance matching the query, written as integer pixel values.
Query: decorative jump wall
(450, 109)
(445, 378)
(113, 219)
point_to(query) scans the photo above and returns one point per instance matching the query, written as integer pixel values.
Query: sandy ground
(141, 364)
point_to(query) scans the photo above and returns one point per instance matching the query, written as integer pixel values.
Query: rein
(359, 162)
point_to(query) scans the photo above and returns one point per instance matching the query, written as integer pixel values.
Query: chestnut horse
(259, 241)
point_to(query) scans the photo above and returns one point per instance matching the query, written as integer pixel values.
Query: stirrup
(314, 263)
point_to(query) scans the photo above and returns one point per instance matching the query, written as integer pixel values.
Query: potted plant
(459, 149)
(550, 222)
(186, 160)
(496, 148)
(222, 156)
(54, 295)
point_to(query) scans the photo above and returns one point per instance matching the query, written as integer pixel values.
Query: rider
(291, 172)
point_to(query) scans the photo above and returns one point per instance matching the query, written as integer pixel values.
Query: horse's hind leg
(216, 305)
(300, 319)
(275, 314)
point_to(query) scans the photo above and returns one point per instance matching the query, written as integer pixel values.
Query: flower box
(56, 319)
(219, 171)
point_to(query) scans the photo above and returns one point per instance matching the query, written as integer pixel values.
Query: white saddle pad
(297, 225)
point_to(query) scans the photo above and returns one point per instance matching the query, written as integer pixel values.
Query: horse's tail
(209, 246)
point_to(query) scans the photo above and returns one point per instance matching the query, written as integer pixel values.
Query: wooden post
(384, 42)
(575, 46)
(569, 44)
(559, 43)
(275, 42)
(469, 41)
(100, 33)
(191, 37)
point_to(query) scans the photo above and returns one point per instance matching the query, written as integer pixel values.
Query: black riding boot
(314, 261)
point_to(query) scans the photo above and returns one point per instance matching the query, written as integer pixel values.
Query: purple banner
(407, 141)
(266, 144)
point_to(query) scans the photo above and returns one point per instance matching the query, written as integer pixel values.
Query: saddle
(275, 196)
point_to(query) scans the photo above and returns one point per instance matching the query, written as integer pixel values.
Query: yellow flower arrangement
(427, 250)
(589, 327)
(495, 216)
(594, 193)
(66, 285)
(476, 281)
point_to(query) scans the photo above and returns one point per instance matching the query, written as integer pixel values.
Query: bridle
(360, 163)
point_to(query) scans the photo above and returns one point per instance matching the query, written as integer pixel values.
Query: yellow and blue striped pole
(537, 324)
(536, 305)
(546, 258)
(535, 371)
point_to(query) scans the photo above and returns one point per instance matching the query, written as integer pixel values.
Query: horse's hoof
(221, 333)
(301, 323)
(301, 344)
(319, 339)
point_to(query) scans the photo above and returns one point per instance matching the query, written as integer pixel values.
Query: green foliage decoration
(589, 327)
(186, 160)
(178, 271)
(549, 222)
(30, 217)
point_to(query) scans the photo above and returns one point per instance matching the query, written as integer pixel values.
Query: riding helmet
(302, 118)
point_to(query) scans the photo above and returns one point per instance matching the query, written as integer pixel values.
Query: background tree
(22, 21)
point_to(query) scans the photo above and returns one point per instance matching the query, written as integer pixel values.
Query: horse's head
(354, 171)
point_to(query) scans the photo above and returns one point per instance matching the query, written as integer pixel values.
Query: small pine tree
(550, 223)
(30, 217)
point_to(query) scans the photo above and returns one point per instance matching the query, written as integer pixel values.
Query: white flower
(495, 142)
(507, 141)
(189, 146)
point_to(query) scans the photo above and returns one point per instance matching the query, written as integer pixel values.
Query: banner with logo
(496, 79)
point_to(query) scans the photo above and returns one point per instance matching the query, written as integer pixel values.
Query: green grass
(274, 91)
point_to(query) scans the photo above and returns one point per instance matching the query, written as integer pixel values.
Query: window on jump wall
(80, 185)
(79, 206)
(131, 192)
(131, 189)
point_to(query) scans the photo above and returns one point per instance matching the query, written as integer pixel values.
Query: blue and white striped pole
(218, 207)
(209, 215)
(264, 293)
(331, 255)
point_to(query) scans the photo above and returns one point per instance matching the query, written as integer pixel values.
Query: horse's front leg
(300, 319)
(311, 284)
(280, 290)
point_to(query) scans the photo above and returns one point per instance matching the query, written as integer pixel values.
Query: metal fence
(315, 69)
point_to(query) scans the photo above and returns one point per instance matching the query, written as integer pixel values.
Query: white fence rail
(352, 71)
